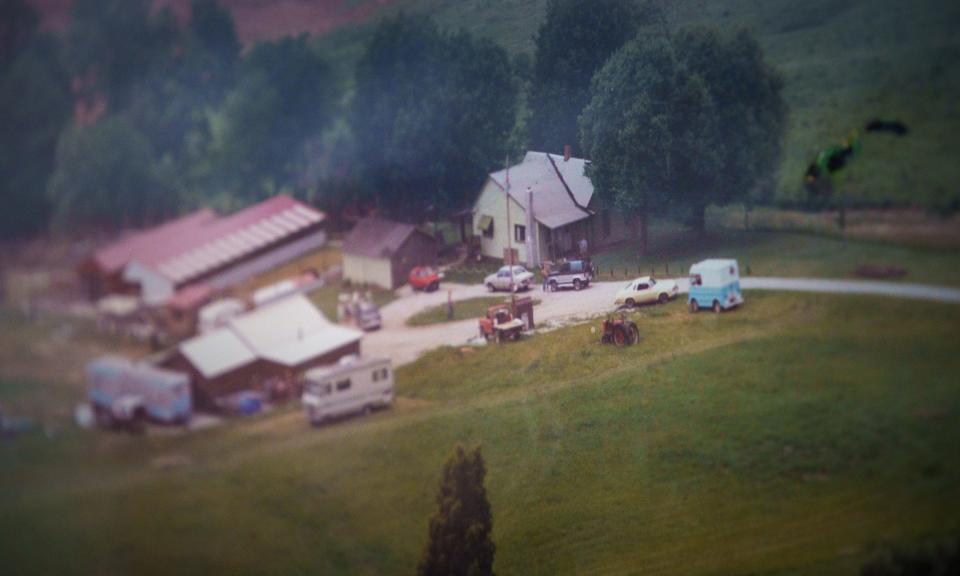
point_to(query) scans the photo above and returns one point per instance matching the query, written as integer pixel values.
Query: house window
(519, 233)
(606, 223)
(486, 226)
(343, 385)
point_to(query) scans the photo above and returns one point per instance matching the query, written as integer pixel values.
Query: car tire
(716, 307)
(514, 288)
(367, 409)
(634, 333)
(663, 298)
(433, 287)
(553, 285)
(577, 285)
(491, 288)
(630, 304)
(694, 306)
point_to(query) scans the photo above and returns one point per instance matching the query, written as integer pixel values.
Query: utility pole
(513, 291)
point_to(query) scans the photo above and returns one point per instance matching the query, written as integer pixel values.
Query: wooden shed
(271, 345)
(380, 252)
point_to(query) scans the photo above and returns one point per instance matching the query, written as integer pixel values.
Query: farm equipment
(500, 325)
(619, 331)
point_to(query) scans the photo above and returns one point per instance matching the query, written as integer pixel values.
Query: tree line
(131, 116)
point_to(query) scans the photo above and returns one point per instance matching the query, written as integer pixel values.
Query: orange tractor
(619, 331)
(500, 325)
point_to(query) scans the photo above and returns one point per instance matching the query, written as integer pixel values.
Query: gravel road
(405, 344)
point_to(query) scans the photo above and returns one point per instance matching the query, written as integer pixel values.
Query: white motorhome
(350, 386)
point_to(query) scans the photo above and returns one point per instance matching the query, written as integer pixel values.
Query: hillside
(844, 62)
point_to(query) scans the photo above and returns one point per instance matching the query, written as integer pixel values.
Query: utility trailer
(125, 393)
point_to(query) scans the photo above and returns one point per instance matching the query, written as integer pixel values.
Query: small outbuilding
(266, 350)
(381, 252)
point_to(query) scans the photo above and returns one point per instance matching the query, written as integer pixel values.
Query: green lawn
(790, 436)
(672, 251)
(462, 310)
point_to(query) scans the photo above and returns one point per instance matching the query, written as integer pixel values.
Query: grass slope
(844, 62)
(673, 250)
(790, 436)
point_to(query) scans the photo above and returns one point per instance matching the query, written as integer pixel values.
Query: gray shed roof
(561, 190)
(377, 237)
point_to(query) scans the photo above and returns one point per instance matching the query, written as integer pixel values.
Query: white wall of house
(155, 288)
(366, 270)
(492, 202)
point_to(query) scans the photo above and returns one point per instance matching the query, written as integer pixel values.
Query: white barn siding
(492, 203)
(365, 270)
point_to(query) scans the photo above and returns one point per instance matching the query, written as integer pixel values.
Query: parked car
(646, 290)
(502, 279)
(367, 316)
(576, 274)
(714, 284)
(425, 278)
(353, 385)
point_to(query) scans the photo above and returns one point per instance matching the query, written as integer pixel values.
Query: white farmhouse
(564, 210)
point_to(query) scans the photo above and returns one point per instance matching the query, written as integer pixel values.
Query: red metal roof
(200, 242)
(111, 259)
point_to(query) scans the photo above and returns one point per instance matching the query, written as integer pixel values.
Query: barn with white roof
(552, 207)
(269, 346)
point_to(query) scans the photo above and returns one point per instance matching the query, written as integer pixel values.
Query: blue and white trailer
(125, 392)
(714, 284)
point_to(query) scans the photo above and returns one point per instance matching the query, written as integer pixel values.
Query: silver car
(502, 279)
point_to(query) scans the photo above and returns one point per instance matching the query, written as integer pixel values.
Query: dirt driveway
(403, 344)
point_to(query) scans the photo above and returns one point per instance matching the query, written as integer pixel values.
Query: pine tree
(460, 543)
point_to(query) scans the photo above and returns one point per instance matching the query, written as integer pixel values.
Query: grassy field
(843, 62)
(672, 250)
(791, 436)
(462, 310)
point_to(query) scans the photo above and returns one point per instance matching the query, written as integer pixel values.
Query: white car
(502, 279)
(646, 290)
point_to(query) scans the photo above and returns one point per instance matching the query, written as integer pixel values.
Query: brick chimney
(567, 150)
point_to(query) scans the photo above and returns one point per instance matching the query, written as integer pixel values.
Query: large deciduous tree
(107, 176)
(675, 122)
(284, 99)
(460, 532)
(749, 117)
(35, 105)
(573, 43)
(115, 43)
(431, 115)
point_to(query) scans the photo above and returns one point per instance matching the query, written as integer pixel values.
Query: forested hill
(843, 61)
(122, 113)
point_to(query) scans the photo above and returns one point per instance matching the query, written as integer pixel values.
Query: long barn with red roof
(205, 249)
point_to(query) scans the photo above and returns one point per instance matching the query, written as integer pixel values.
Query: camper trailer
(125, 392)
(353, 385)
(714, 284)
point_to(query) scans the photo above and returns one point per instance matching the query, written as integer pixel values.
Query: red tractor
(500, 325)
(619, 331)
